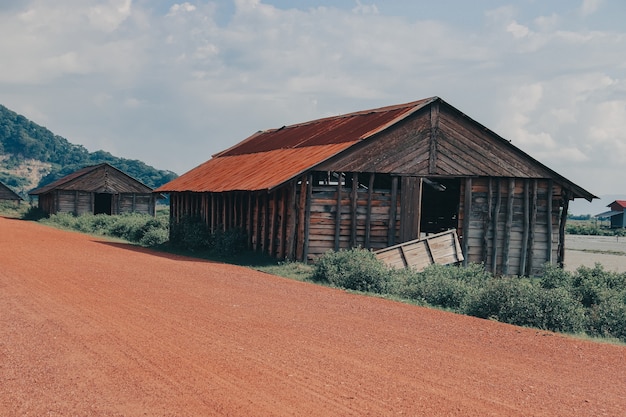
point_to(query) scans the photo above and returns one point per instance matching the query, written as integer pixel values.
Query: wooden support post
(533, 224)
(266, 222)
(282, 223)
(496, 213)
(273, 216)
(250, 225)
(526, 220)
(338, 212)
(487, 222)
(353, 209)
(391, 231)
(467, 213)
(307, 217)
(508, 227)
(301, 218)
(368, 215)
(258, 222)
(549, 220)
(291, 224)
(561, 250)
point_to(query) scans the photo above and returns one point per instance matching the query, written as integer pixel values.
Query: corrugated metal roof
(250, 172)
(272, 157)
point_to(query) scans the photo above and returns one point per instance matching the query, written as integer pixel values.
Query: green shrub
(34, 213)
(154, 237)
(437, 285)
(608, 318)
(353, 269)
(230, 242)
(592, 285)
(520, 302)
(190, 233)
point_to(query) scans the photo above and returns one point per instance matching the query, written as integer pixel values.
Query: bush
(353, 269)
(230, 242)
(191, 233)
(522, 303)
(608, 318)
(439, 285)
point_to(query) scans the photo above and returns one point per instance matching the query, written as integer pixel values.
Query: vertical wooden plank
(526, 223)
(353, 207)
(258, 221)
(533, 224)
(273, 220)
(76, 213)
(307, 217)
(495, 226)
(563, 221)
(249, 226)
(391, 231)
(549, 220)
(508, 227)
(467, 212)
(280, 234)
(291, 225)
(338, 212)
(368, 215)
(434, 136)
(487, 222)
(301, 218)
(224, 210)
(266, 222)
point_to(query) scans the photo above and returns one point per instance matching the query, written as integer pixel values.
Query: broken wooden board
(441, 248)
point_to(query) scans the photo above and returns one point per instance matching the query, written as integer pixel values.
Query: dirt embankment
(93, 328)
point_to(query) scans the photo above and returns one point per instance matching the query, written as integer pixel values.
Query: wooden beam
(353, 207)
(338, 212)
(507, 227)
(561, 251)
(494, 221)
(291, 223)
(533, 224)
(307, 217)
(434, 136)
(391, 231)
(368, 215)
(301, 218)
(467, 212)
(549, 220)
(526, 222)
(487, 222)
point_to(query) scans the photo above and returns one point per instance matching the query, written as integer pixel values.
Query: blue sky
(171, 83)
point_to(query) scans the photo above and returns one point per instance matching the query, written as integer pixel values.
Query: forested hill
(32, 156)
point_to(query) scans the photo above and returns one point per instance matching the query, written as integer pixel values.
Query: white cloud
(192, 78)
(590, 6)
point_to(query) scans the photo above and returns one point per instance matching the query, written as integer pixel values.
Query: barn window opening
(440, 204)
(102, 203)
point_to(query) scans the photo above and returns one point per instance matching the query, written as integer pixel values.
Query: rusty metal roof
(272, 157)
(72, 181)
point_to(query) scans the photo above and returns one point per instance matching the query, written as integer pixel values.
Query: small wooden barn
(380, 177)
(96, 189)
(7, 194)
(616, 213)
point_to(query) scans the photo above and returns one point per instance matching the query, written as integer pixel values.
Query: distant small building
(617, 214)
(97, 189)
(7, 194)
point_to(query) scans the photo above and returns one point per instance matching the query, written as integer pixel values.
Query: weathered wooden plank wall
(514, 224)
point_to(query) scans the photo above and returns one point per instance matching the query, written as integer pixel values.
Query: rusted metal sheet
(328, 131)
(270, 158)
(251, 172)
(442, 248)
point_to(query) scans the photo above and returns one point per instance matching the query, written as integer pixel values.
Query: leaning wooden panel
(441, 248)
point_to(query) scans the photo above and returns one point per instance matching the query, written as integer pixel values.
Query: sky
(171, 83)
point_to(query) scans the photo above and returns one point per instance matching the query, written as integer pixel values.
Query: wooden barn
(7, 194)
(616, 214)
(380, 177)
(96, 189)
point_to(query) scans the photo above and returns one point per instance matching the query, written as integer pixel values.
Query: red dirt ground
(94, 328)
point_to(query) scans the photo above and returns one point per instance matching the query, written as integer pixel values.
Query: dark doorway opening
(102, 203)
(440, 204)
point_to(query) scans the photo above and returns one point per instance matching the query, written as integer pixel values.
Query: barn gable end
(97, 189)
